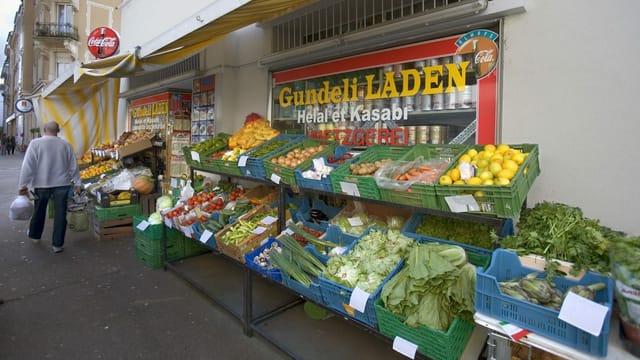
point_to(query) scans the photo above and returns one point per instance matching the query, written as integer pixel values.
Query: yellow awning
(87, 115)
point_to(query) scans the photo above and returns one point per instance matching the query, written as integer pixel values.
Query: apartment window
(61, 68)
(65, 18)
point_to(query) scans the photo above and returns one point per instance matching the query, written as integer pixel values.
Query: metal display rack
(251, 323)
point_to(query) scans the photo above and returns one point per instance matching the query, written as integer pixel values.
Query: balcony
(55, 31)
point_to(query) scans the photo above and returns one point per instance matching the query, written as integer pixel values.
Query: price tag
(187, 231)
(268, 220)
(205, 236)
(358, 299)
(275, 178)
(318, 163)
(242, 160)
(462, 203)
(174, 183)
(168, 222)
(573, 309)
(195, 156)
(405, 347)
(349, 188)
(355, 221)
(288, 232)
(259, 230)
(144, 224)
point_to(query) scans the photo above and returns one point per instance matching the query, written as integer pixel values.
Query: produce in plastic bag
(78, 220)
(187, 191)
(400, 175)
(21, 208)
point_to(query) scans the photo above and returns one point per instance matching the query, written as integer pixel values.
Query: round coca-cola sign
(103, 42)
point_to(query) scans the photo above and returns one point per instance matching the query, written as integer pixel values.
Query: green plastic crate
(367, 186)
(152, 231)
(194, 247)
(287, 174)
(117, 212)
(503, 201)
(423, 195)
(186, 150)
(435, 344)
(150, 251)
(226, 167)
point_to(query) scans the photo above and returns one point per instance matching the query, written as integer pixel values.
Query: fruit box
(274, 274)
(491, 301)
(500, 200)
(254, 166)
(342, 180)
(285, 174)
(251, 242)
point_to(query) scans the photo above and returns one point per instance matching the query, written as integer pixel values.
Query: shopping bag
(78, 220)
(21, 208)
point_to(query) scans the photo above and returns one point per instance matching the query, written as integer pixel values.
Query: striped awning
(87, 115)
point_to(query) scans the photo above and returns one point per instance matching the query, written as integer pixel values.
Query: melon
(143, 184)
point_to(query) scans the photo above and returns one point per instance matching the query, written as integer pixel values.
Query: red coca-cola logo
(103, 42)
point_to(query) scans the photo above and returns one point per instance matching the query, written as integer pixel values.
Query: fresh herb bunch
(559, 231)
(461, 231)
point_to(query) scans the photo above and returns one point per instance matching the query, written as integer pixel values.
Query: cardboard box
(134, 148)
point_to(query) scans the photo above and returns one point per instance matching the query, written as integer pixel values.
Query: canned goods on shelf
(425, 102)
(450, 100)
(437, 101)
(422, 136)
(408, 103)
(438, 134)
(412, 135)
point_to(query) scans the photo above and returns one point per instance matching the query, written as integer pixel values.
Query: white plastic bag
(187, 191)
(21, 208)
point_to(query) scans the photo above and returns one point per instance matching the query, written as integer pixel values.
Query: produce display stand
(250, 322)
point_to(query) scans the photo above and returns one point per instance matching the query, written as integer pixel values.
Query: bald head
(51, 128)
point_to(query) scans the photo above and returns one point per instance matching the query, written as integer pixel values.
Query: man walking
(50, 168)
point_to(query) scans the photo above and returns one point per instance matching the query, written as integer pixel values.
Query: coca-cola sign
(103, 42)
(481, 46)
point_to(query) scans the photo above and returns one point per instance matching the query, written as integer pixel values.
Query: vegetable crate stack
(149, 244)
(114, 222)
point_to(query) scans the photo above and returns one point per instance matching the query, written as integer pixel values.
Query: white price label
(358, 299)
(349, 188)
(259, 230)
(275, 178)
(462, 203)
(355, 221)
(195, 156)
(144, 224)
(205, 236)
(573, 309)
(187, 231)
(168, 222)
(242, 160)
(268, 220)
(288, 231)
(405, 347)
(174, 183)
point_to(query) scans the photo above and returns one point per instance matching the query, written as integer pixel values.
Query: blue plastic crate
(477, 255)
(334, 235)
(273, 274)
(337, 296)
(323, 184)
(313, 292)
(304, 215)
(506, 265)
(254, 166)
(196, 234)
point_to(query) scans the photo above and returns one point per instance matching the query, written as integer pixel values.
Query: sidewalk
(96, 301)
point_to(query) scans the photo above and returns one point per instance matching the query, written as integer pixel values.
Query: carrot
(424, 168)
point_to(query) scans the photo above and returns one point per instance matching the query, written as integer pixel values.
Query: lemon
(486, 154)
(482, 164)
(510, 164)
(518, 158)
(495, 168)
(490, 148)
(485, 175)
(497, 157)
(501, 181)
(488, 182)
(454, 174)
(474, 180)
(506, 173)
(472, 152)
(502, 148)
(478, 193)
(445, 180)
(459, 182)
(465, 158)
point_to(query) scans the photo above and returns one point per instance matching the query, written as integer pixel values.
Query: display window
(436, 92)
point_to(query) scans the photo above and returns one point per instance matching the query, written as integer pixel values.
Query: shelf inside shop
(457, 117)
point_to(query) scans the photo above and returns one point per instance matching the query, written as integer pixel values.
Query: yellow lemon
(454, 174)
(502, 148)
(510, 164)
(472, 152)
(478, 193)
(497, 157)
(488, 182)
(490, 148)
(486, 175)
(501, 181)
(482, 163)
(506, 173)
(518, 158)
(445, 180)
(465, 158)
(474, 180)
(459, 182)
(495, 168)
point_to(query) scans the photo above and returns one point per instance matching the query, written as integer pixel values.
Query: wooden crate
(148, 203)
(113, 229)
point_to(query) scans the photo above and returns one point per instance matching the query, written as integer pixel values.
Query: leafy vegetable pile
(625, 266)
(559, 231)
(435, 285)
(370, 261)
(464, 232)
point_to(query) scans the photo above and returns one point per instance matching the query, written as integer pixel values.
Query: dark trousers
(59, 196)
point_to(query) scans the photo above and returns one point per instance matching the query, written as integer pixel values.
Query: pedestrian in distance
(3, 143)
(11, 145)
(49, 168)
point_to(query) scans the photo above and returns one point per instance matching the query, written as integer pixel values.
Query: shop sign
(480, 43)
(24, 105)
(103, 42)
(153, 109)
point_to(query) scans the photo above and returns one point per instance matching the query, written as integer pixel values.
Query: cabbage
(164, 202)
(155, 218)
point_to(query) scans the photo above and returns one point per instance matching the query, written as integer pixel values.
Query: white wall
(571, 82)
